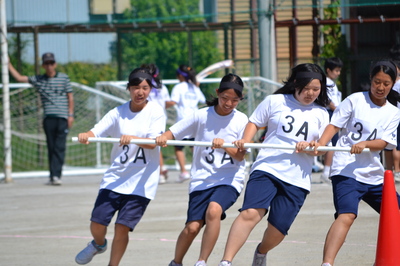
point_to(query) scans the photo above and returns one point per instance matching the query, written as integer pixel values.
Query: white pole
(6, 95)
(225, 145)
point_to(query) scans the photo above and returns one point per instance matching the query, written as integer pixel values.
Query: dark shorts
(179, 148)
(224, 195)
(284, 200)
(130, 208)
(335, 138)
(348, 192)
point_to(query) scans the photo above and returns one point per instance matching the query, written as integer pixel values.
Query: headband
(313, 75)
(139, 75)
(182, 73)
(389, 64)
(230, 85)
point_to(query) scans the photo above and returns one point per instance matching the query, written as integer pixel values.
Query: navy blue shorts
(284, 200)
(335, 137)
(179, 148)
(130, 208)
(224, 195)
(348, 192)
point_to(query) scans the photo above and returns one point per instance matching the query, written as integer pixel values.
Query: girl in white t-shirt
(217, 174)
(187, 96)
(132, 179)
(280, 179)
(365, 120)
(160, 95)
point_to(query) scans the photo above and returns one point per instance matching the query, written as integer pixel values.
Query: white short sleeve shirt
(210, 167)
(288, 122)
(362, 120)
(133, 170)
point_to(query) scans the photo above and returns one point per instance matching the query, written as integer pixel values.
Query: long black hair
(300, 76)
(188, 73)
(154, 71)
(229, 81)
(388, 67)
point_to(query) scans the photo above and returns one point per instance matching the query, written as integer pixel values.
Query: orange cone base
(388, 246)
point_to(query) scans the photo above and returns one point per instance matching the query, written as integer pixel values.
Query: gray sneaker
(259, 259)
(225, 263)
(57, 181)
(87, 254)
(173, 263)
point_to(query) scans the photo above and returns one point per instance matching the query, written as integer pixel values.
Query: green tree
(167, 50)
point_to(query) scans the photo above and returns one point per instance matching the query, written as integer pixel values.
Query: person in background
(187, 96)
(57, 99)
(366, 119)
(280, 180)
(131, 181)
(332, 67)
(217, 174)
(392, 157)
(160, 95)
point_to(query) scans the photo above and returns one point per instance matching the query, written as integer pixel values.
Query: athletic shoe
(325, 179)
(57, 181)
(87, 254)
(201, 263)
(164, 171)
(259, 259)
(225, 263)
(162, 179)
(183, 177)
(397, 177)
(173, 263)
(327, 264)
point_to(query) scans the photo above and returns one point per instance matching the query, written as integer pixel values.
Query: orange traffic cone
(388, 246)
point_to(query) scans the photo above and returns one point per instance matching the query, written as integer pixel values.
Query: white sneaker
(183, 177)
(200, 263)
(397, 177)
(326, 264)
(87, 254)
(259, 259)
(162, 179)
(225, 263)
(325, 179)
(173, 263)
(57, 181)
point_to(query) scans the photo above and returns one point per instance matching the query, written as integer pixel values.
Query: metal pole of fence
(6, 95)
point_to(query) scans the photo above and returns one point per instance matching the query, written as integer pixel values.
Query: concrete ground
(48, 225)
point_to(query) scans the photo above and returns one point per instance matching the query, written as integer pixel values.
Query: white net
(29, 153)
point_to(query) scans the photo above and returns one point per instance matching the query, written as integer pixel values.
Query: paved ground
(46, 225)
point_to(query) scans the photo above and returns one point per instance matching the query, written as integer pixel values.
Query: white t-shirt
(288, 122)
(333, 92)
(360, 120)
(187, 96)
(210, 167)
(160, 96)
(133, 170)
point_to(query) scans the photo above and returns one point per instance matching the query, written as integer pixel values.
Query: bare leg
(388, 160)
(396, 160)
(240, 231)
(337, 235)
(211, 231)
(98, 232)
(272, 238)
(120, 242)
(186, 238)
(180, 157)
